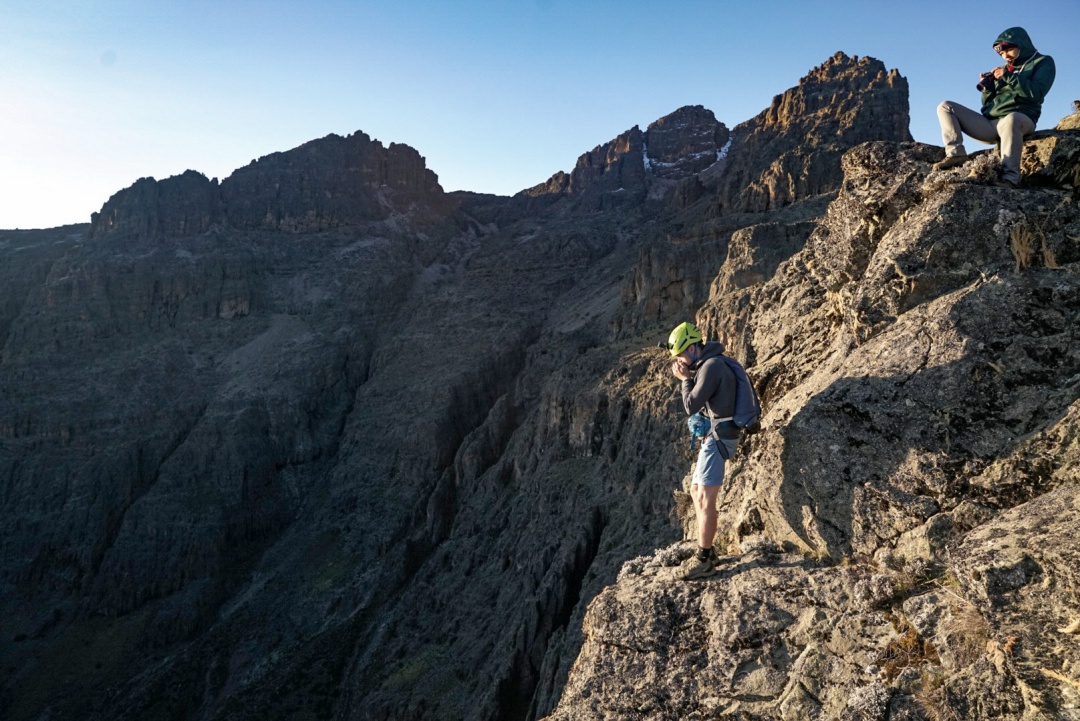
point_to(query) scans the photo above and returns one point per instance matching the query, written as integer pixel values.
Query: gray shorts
(710, 464)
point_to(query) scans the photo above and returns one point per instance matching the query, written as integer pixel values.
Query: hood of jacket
(710, 349)
(1019, 38)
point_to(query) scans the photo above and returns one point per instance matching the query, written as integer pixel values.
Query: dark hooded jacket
(713, 384)
(1021, 89)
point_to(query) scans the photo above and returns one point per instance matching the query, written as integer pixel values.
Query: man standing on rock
(707, 384)
(1012, 98)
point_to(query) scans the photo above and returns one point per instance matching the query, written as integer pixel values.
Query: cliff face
(322, 441)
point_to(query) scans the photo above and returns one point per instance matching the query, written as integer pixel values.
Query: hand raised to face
(681, 369)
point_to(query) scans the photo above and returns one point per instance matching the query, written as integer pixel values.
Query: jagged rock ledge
(777, 635)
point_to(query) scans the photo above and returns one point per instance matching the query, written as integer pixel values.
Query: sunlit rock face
(792, 150)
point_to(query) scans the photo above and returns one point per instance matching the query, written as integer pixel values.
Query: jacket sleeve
(698, 390)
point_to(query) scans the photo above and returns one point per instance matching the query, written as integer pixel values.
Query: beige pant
(955, 119)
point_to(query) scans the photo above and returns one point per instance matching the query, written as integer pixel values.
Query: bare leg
(706, 512)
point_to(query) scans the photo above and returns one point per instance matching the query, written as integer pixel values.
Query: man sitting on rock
(1012, 97)
(706, 380)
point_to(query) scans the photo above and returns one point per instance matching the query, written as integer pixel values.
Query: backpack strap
(714, 421)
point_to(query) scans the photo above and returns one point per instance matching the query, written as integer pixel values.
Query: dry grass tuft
(967, 634)
(1060, 677)
(906, 650)
(1022, 243)
(1049, 257)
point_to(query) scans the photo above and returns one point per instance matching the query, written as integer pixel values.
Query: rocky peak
(789, 152)
(684, 143)
(327, 183)
(792, 150)
(824, 98)
(677, 146)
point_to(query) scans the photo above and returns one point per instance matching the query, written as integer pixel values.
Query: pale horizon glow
(497, 96)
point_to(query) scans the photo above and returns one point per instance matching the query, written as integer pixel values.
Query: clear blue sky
(497, 94)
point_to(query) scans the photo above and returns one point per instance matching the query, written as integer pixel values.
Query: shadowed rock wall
(324, 184)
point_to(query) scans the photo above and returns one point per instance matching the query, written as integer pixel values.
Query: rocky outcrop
(1051, 158)
(1071, 122)
(328, 183)
(778, 636)
(792, 150)
(868, 293)
(733, 646)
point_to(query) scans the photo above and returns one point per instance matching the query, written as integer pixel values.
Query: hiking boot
(950, 162)
(1002, 183)
(700, 568)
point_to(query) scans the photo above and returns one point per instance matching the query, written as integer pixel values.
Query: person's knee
(709, 505)
(703, 495)
(697, 492)
(946, 106)
(1015, 124)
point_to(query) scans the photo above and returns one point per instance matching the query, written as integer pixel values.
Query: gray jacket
(713, 385)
